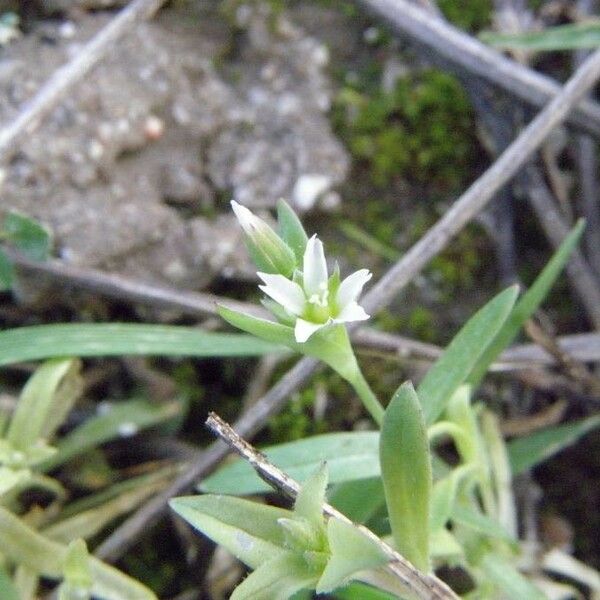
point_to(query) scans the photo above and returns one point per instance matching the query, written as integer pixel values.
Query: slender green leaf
(351, 551)
(249, 530)
(7, 272)
(88, 523)
(26, 546)
(406, 472)
(360, 591)
(7, 588)
(504, 575)
(444, 544)
(29, 236)
(477, 521)
(530, 450)
(562, 37)
(120, 419)
(45, 400)
(291, 229)
(462, 354)
(528, 304)
(278, 579)
(443, 496)
(349, 457)
(115, 339)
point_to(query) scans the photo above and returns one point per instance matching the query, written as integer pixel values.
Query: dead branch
(581, 276)
(453, 48)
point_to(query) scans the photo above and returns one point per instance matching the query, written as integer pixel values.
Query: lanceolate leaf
(528, 451)
(360, 591)
(249, 530)
(115, 339)
(278, 579)
(463, 353)
(41, 405)
(506, 577)
(26, 546)
(406, 472)
(563, 37)
(349, 457)
(528, 304)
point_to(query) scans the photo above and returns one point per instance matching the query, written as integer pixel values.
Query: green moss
(471, 15)
(422, 131)
(296, 420)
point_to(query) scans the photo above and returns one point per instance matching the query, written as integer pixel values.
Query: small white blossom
(314, 299)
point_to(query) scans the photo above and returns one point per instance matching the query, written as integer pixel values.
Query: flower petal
(315, 267)
(352, 312)
(284, 291)
(304, 329)
(351, 287)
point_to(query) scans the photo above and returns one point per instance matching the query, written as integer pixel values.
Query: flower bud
(268, 251)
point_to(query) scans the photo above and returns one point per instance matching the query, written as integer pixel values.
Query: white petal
(304, 329)
(352, 286)
(315, 267)
(352, 312)
(284, 291)
(246, 218)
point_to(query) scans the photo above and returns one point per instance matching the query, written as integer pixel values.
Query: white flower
(314, 299)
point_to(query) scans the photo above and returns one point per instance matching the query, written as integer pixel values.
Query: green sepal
(291, 229)
(406, 472)
(351, 551)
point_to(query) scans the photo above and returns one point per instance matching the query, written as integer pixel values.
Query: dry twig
(455, 48)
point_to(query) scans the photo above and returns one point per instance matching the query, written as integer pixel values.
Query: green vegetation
(422, 131)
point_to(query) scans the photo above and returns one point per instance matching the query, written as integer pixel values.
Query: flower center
(318, 305)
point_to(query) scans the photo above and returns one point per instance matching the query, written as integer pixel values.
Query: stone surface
(131, 169)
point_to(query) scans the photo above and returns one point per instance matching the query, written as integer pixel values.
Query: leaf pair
(288, 550)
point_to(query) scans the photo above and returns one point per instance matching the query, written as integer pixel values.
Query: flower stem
(365, 393)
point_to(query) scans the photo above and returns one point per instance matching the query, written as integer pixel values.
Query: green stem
(365, 393)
